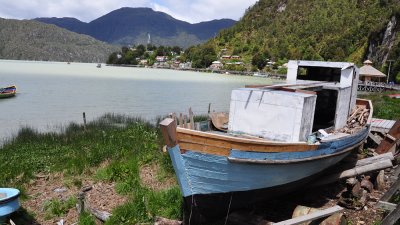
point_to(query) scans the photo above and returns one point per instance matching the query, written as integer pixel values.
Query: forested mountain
(131, 26)
(32, 40)
(335, 30)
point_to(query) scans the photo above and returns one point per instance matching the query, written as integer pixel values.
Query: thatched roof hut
(369, 73)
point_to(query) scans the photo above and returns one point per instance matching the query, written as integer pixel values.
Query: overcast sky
(192, 11)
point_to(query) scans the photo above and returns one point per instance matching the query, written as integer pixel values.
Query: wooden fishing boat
(279, 138)
(9, 202)
(8, 91)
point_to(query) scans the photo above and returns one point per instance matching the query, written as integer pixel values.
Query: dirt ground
(101, 196)
(317, 197)
(98, 195)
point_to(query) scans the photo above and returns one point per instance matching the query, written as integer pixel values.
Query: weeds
(86, 219)
(125, 143)
(56, 207)
(384, 107)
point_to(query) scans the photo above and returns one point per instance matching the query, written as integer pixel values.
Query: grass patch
(384, 107)
(124, 143)
(56, 207)
(86, 219)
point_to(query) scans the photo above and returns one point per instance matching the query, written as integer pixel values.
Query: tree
(259, 61)
(140, 49)
(177, 50)
(113, 58)
(161, 51)
(398, 78)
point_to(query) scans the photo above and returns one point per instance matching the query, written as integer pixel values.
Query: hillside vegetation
(335, 30)
(32, 40)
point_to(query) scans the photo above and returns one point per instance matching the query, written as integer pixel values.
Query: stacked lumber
(357, 120)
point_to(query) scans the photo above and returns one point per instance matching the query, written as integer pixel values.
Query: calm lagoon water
(52, 94)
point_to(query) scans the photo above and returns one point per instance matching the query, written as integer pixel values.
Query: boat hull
(214, 184)
(7, 95)
(10, 203)
(8, 92)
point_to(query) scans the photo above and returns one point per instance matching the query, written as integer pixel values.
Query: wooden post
(174, 116)
(180, 120)
(168, 129)
(197, 126)
(191, 118)
(209, 108)
(81, 202)
(84, 121)
(185, 125)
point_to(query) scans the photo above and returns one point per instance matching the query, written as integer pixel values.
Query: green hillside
(32, 40)
(335, 30)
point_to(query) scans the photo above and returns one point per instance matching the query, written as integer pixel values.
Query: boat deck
(381, 125)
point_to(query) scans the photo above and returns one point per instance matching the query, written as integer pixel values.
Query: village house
(216, 65)
(235, 57)
(226, 57)
(161, 59)
(187, 65)
(143, 62)
(369, 73)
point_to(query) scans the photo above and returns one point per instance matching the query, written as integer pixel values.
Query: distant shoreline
(227, 72)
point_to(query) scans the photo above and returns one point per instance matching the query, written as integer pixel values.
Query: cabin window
(319, 74)
(325, 109)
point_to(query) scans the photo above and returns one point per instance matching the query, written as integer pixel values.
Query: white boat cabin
(316, 95)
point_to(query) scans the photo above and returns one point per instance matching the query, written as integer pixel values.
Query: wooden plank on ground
(312, 216)
(388, 142)
(378, 165)
(392, 217)
(374, 138)
(392, 190)
(369, 160)
(386, 206)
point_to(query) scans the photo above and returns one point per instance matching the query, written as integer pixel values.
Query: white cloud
(87, 10)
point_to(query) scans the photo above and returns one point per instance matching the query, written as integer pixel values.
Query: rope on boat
(191, 209)
(229, 208)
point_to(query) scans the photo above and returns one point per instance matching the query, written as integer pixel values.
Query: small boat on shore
(279, 138)
(8, 91)
(9, 202)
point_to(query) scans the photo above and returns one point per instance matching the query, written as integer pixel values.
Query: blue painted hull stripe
(200, 173)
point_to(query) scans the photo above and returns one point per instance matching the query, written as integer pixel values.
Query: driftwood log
(369, 160)
(379, 165)
(165, 221)
(84, 206)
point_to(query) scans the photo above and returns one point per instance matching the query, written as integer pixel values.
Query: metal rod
(388, 76)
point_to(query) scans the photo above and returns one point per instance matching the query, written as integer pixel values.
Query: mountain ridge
(126, 26)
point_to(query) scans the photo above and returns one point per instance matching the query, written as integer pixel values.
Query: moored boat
(279, 138)
(8, 91)
(9, 202)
